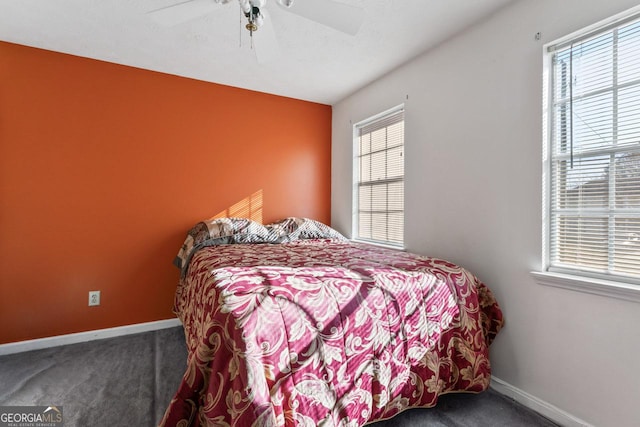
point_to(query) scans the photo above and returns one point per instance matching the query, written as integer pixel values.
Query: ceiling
(314, 62)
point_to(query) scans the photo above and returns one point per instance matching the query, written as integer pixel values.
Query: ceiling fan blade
(182, 12)
(265, 41)
(340, 16)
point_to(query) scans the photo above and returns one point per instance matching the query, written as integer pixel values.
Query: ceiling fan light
(245, 6)
(258, 3)
(259, 20)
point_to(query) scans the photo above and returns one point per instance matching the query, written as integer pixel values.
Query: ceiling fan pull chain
(251, 25)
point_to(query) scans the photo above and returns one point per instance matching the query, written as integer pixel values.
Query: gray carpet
(129, 381)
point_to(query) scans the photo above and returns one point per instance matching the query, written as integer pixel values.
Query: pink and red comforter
(326, 333)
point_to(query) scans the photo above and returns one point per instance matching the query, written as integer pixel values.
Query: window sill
(380, 244)
(585, 284)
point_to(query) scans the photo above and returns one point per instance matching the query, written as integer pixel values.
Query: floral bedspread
(326, 333)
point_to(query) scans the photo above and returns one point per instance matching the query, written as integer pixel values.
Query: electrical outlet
(94, 298)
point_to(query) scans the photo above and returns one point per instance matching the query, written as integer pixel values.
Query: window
(379, 178)
(593, 154)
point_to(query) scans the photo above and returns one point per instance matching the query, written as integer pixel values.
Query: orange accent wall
(104, 168)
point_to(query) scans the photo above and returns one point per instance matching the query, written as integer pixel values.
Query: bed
(291, 324)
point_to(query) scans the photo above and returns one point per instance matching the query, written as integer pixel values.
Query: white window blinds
(379, 186)
(594, 200)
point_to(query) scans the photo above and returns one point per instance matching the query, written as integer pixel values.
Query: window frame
(621, 287)
(356, 178)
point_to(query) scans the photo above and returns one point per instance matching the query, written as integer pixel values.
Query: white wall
(473, 196)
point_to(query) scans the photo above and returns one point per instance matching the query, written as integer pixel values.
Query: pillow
(241, 230)
(293, 228)
(219, 231)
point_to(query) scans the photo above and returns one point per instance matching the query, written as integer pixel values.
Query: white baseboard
(546, 409)
(37, 344)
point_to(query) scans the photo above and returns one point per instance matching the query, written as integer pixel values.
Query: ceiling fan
(339, 16)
